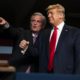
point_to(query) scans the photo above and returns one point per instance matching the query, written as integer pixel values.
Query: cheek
(38, 28)
(32, 24)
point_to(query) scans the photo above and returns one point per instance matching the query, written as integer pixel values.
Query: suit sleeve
(77, 54)
(15, 32)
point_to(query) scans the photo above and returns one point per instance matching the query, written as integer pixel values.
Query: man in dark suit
(66, 58)
(38, 22)
(19, 58)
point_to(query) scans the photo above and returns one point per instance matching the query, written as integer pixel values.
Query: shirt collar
(34, 34)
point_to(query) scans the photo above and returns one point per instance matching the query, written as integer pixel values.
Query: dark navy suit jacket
(67, 55)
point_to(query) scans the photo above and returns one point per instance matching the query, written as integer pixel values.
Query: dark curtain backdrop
(18, 12)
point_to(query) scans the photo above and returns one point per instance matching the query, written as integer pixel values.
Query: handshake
(24, 45)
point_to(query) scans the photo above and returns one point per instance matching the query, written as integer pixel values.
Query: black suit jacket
(67, 55)
(19, 60)
(32, 60)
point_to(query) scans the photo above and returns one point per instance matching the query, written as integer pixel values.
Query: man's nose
(35, 22)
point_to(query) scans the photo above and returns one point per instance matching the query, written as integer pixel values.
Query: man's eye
(39, 21)
(36, 21)
(32, 20)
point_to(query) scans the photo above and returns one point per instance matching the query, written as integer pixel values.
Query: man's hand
(24, 45)
(3, 21)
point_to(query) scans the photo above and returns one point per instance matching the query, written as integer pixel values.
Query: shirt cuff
(6, 25)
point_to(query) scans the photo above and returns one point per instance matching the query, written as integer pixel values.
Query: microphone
(26, 47)
(24, 50)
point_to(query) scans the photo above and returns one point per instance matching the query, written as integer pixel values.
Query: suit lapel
(64, 33)
(29, 36)
(48, 36)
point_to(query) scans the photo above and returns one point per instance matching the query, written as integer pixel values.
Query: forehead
(52, 10)
(36, 17)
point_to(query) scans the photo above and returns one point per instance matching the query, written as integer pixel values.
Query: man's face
(36, 23)
(54, 17)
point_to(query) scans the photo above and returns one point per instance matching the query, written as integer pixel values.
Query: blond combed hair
(57, 6)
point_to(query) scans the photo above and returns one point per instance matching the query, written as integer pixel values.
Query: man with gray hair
(37, 23)
(19, 58)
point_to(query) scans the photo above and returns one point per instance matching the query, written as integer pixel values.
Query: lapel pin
(66, 30)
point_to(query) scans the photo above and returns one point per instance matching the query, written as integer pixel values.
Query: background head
(37, 21)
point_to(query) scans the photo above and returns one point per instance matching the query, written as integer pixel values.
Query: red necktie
(52, 49)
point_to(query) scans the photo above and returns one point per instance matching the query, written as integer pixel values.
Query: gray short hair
(43, 18)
